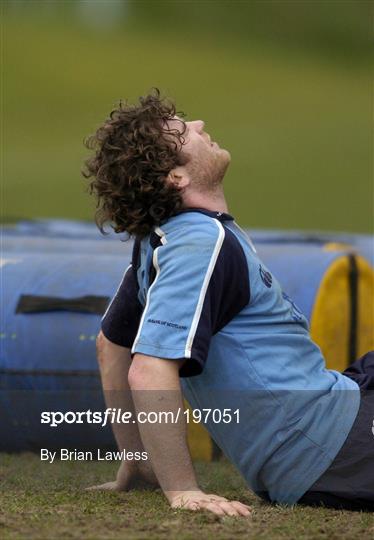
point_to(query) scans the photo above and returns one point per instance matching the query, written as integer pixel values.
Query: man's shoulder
(192, 227)
(191, 235)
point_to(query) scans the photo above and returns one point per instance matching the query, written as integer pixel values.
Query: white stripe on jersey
(162, 235)
(208, 275)
(247, 237)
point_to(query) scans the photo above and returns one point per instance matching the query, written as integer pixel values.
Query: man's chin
(225, 156)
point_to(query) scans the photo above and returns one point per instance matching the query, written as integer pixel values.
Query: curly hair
(134, 151)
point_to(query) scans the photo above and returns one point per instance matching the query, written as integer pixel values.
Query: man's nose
(202, 126)
(199, 125)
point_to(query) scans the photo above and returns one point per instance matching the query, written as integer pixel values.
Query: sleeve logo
(167, 323)
(266, 277)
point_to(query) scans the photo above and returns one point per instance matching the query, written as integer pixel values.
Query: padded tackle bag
(58, 277)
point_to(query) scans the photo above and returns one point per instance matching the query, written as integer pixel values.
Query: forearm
(114, 362)
(156, 388)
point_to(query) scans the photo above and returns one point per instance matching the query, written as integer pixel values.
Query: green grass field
(40, 501)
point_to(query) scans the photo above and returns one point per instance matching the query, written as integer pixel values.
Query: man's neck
(214, 201)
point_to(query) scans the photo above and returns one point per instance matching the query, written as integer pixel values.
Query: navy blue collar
(221, 216)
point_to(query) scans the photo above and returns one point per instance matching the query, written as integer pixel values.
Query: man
(198, 310)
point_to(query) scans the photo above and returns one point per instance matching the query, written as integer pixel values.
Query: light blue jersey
(197, 290)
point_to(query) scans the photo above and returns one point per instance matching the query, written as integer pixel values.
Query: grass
(42, 501)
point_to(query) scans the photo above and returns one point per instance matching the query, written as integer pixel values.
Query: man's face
(205, 161)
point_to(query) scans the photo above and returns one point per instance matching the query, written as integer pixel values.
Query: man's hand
(198, 500)
(156, 388)
(129, 476)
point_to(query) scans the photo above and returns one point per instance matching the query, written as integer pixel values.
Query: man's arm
(156, 389)
(114, 363)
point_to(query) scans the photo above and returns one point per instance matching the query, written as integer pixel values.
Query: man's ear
(179, 177)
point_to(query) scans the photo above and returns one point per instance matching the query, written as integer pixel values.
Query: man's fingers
(213, 503)
(228, 508)
(243, 509)
(202, 505)
(214, 507)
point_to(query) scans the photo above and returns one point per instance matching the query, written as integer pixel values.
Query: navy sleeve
(121, 320)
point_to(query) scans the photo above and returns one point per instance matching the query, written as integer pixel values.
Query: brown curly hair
(134, 151)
